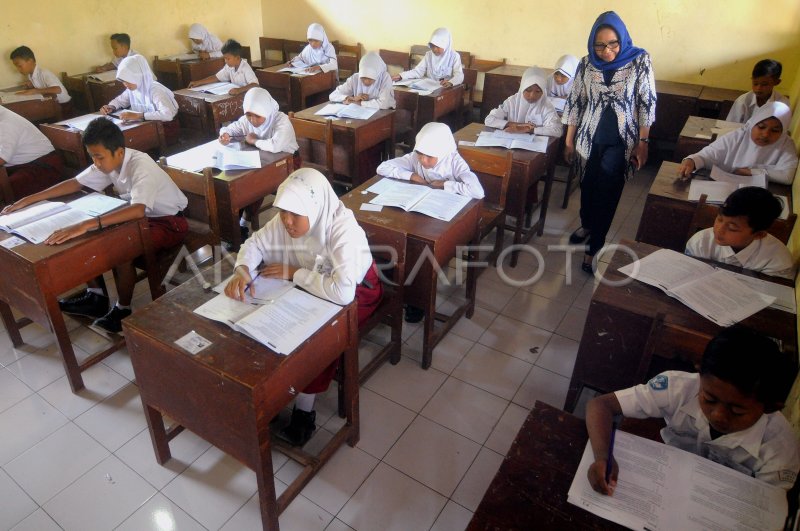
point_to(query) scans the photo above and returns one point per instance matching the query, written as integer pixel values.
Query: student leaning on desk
(236, 71)
(441, 63)
(151, 193)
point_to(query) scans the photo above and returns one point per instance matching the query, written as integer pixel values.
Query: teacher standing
(608, 116)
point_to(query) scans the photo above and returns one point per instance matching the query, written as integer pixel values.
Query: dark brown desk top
(205, 96)
(675, 88)
(354, 124)
(470, 134)
(720, 94)
(697, 125)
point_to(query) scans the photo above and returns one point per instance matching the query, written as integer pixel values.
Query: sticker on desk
(704, 136)
(10, 243)
(465, 143)
(192, 342)
(371, 207)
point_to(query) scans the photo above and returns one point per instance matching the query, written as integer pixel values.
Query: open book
(352, 110)
(37, 222)
(10, 97)
(424, 85)
(214, 155)
(281, 324)
(182, 57)
(220, 88)
(108, 76)
(416, 198)
(716, 294)
(662, 487)
(82, 122)
(297, 70)
(512, 141)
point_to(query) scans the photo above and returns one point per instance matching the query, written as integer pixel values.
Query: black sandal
(587, 266)
(579, 236)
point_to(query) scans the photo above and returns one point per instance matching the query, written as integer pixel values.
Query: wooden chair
(482, 66)
(292, 49)
(466, 59)
(705, 214)
(271, 51)
(168, 73)
(348, 56)
(247, 55)
(6, 192)
(470, 80)
(315, 132)
(417, 53)
(494, 172)
(78, 89)
(279, 86)
(396, 62)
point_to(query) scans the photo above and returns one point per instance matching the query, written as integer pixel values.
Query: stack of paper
(351, 110)
(221, 88)
(10, 97)
(214, 155)
(506, 140)
(417, 198)
(723, 184)
(104, 77)
(422, 86)
(297, 70)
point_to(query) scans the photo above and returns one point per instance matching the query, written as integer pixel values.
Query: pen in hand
(610, 457)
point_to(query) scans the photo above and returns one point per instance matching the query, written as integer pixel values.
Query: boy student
(121, 48)
(739, 235)
(151, 193)
(40, 81)
(766, 76)
(728, 413)
(236, 70)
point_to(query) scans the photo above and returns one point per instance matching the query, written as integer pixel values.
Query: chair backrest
(279, 86)
(199, 190)
(705, 214)
(494, 172)
(291, 48)
(69, 143)
(470, 80)
(348, 56)
(484, 65)
(318, 132)
(388, 247)
(396, 62)
(78, 89)
(271, 51)
(466, 58)
(168, 73)
(417, 53)
(246, 54)
(6, 192)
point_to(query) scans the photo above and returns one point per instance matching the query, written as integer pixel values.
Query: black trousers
(601, 188)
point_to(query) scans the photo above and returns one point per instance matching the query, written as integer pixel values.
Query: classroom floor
(431, 441)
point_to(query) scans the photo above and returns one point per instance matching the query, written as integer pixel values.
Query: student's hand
(445, 83)
(234, 91)
(106, 109)
(28, 84)
(282, 271)
(130, 116)
(418, 179)
(28, 91)
(350, 99)
(742, 171)
(437, 184)
(396, 77)
(251, 139)
(685, 169)
(519, 128)
(314, 69)
(67, 233)
(224, 139)
(204, 55)
(597, 477)
(569, 152)
(192, 84)
(17, 205)
(363, 97)
(98, 69)
(235, 287)
(639, 155)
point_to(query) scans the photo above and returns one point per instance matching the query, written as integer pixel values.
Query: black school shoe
(300, 428)
(87, 304)
(579, 236)
(111, 323)
(414, 314)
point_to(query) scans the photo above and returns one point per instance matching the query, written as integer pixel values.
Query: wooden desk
(689, 143)
(716, 102)
(207, 112)
(229, 392)
(307, 91)
(201, 68)
(102, 93)
(530, 489)
(428, 240)
(676, 102)
(527, 170)
(359, 145)
(622, 319)
(35, 275)
(431, 108)
(45, 110)
(142, 136)
(668, 212)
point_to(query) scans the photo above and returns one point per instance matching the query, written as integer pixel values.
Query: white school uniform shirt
(163, 106)
(446, 66)
(745, 105)
(43, 78)
(141, 181)
(767, 450)
(516, 108)
(380, 97)
(778, 161)
(240, 76)
(452, 169)
(333, 256)
(276, 133)
(20, 141)
(767, 255)
(323, 57)
(117, 60)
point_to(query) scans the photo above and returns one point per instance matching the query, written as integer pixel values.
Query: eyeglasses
(611, 45)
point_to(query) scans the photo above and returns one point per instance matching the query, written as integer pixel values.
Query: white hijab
(258, 101)
(134, 69)
(321, 55)
(566, 65)
(441, 66)
(372, 66)
(435, 140)
(519, 108)
(210, 41)
(744, 153)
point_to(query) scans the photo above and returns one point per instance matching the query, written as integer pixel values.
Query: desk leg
(266, 485)
(351, 381)
(59, 328)
(429, 323)
(11, 324)
(548, 186)
(158, 434)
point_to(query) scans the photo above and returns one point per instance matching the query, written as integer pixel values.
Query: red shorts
(167, 231)
(368, 296)
(36, 175)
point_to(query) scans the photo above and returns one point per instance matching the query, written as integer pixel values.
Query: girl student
(760, 146)
(371, 86)
(529, 110)
(441, 63)
(559, 84)
(205, 43)
(316, 243)
(319, 54)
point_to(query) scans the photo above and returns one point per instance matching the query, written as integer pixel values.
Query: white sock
(243, 222)
(304, 402)
(121, 307)
(96, 291)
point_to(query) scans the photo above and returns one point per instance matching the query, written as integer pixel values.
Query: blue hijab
(627, 51)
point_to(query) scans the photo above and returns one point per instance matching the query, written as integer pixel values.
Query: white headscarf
(321, 55)
(372, 66)
(134, 69)
(519, 109)
(258, 101)
(435, 140)
(566, 65)
(210, 41)
(441, 66)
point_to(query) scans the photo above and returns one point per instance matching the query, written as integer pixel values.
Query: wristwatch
(645, 140)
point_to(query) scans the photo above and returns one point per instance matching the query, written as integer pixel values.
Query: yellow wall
(72, 35)
(712, 42)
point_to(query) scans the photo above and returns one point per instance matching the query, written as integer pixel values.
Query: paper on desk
(403, 82)
(11, 242)
(716, 192)
(370, 207)
(263, 290)
(225, 310)
(10, 97)
(720, 175)
(466, 143)
(426, 84)
(703, 136)
(221, 88)
(41, 230)
(182, 57)
(784, 295)
(351, 110)
(381, 186)
(296, 70)
(422, 92)
(196, 158)
(192, 342)
(30, 214)
(104, 77)
(96, 204)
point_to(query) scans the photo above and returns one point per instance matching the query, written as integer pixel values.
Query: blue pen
(610, 457)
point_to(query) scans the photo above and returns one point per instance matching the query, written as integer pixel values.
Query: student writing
(40, 80)
(318, 55)
(121, 48)
(441, 63)
(529, 110)
(766, 76)
(236, 70)
(204, 43)
(370, 87)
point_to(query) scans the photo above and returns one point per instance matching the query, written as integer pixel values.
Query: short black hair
(758, 204)
(22, 52)
(122, 38)
(232, 47)
(768, 67)
(104, 132)
(752, 363)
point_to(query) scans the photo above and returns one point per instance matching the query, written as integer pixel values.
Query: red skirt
(36, 175)
(167, 231)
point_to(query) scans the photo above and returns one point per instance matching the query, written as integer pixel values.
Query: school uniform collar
(36, 72)
(122, 174)
(726, 252)
(241, 63)
(750, 100)
(749, 439)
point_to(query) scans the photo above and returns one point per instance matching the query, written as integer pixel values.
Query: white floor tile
(515, 338)
(446, 355)
(559, 355)
(465, 409)
(338, 525)
(433, 455)
(38, 521)
(536, 310)
(12, 390)
(15, 505)
(473, 328)
(406, 383)
(115, 420)
(555, 286)
(543, 385)
(452, 518)
(507, 428)
(120, 361)
(493, 295)
(391, 501)
(304, 514)
(572, 324)
(26, 423)
(100, 382)
(477, 479)
(101, 499)
(39, 369)
(160, 514)
(492, 371)
(9, 353)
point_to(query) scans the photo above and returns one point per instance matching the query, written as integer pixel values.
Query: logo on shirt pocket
(659, 383)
